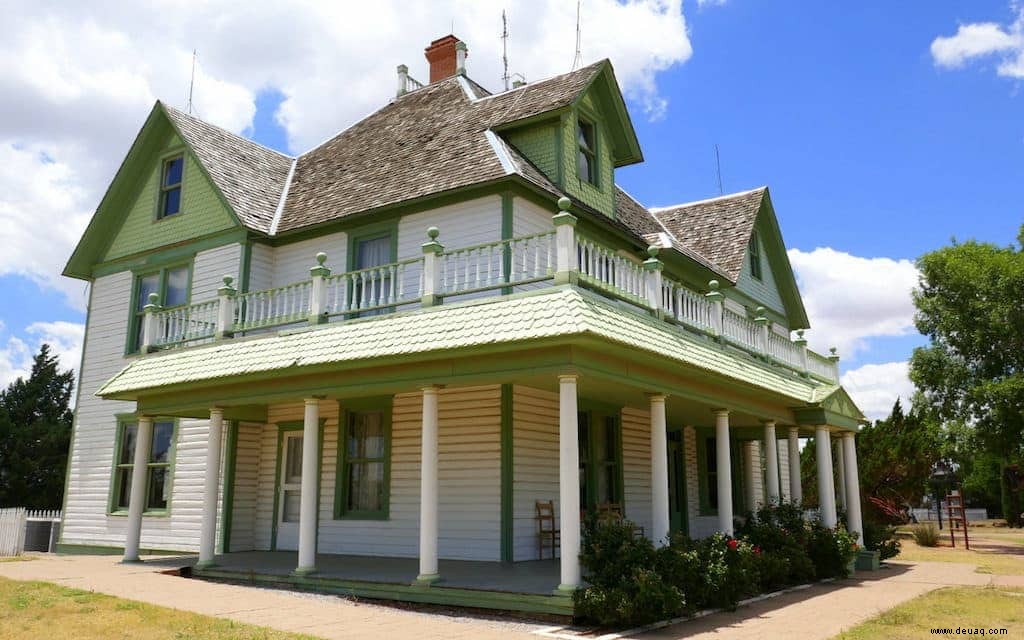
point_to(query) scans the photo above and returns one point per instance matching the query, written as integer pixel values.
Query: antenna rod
(192, 82)
(504, 48)
(576, 61)
(718, 170)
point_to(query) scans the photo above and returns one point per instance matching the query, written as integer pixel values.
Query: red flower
(855, 546)
(732, 544)
(757, 549)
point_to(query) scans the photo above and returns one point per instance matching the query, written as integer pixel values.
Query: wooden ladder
(957, 518)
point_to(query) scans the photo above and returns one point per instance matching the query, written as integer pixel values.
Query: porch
(527, 586)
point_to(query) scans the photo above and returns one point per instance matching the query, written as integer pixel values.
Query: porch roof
(558, 312)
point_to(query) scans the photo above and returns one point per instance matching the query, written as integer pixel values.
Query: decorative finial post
(801, 344)
(403, 81)
(833, 357)
(432, 253)
(461, 51)
(150, 330)
(226, 308)
(715, 297)
(761, 320)
(318, 291)
(566, 268)
(652, 280)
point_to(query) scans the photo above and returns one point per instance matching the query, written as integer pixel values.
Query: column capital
(768, 423)
(217, 410)
(568, 377)
(720, 411)
(313, 400)
(656, 397)
(848, 435)
(431, 388)
(794, 431)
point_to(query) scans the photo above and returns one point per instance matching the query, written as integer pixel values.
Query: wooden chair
(547, 532)
(611, 512)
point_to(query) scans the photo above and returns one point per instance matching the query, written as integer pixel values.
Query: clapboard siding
(700, 526)
(529, 219)
(783, 448)
(261, 267)
(210, 267)
(636, 466)
(292, 262)
(246, 487)
(469, 477)
(534, 464)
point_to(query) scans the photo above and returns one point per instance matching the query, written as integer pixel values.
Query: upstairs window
(170, 187)
(171, 288)
(754, 250)
(587, 160)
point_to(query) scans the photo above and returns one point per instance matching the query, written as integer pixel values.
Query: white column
(771, 463)
(428, 489)
(569, 482)
(659, 472)
(840, 474)
(750, 469)
(309, 486)
(853, 515)
(211, 485)
(826, 483)
(796, 493)
(724, 467)
(137, 497)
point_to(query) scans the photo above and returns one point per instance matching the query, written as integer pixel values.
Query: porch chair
(546, 529)
(611, 512)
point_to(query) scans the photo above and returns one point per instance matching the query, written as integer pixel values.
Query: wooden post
(318, 291)
(723, 462)
(566, 268)
(429, 489)
(716, 299)
(660, 519)
(211, 486)
(310, 492)
(432, 285)
(149, 325)
(226, 309)
(801, 343)
(826, 479)
(569, 483)
(652, 280)
(762, 330)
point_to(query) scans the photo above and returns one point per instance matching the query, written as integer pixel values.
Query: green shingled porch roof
(557, 312)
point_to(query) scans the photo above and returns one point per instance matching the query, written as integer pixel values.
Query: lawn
(44, 610)
(988, 562)
(987, 608)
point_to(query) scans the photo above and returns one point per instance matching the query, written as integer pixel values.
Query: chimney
(447, 57)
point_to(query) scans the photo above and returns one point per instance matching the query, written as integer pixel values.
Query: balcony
(565, 255)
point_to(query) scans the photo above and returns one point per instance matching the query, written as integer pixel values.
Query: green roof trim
(775, 250)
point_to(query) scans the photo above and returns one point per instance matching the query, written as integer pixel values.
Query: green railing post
(715, 297)
(318, 291)
(226, 309)
(432, 250)
(652, 281)
(149, 324)
(566, 269)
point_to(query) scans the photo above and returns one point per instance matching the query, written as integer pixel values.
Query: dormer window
(754, 250)
(170, 187)
(587, 160)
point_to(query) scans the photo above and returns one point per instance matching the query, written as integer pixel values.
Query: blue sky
(876, 148)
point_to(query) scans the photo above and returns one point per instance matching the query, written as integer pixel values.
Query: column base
(427, 579)
(567, 590)
(204, 564)
(304, 571)
(135, 560)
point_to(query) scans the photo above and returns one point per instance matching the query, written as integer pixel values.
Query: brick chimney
(447, 57)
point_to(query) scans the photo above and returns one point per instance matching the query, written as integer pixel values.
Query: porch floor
(532, 576)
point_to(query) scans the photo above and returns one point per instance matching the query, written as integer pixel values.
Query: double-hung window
(372, 290)
(586, 161)
(170, 187)
(364, 448)
(158, 465)
(754, 250)
(171, 288)
(600, 450)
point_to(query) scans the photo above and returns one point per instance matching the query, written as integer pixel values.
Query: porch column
(723, 465)
(771, 463)
(840, 463)
(796, 494)
(211, 484)
(826, 483)
(569, 482)
(659, 472)
(309, 487)
(750, 470)
(428, 489)
(137, 496)
(855, 523)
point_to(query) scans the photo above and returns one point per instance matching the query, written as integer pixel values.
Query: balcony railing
(560, 256)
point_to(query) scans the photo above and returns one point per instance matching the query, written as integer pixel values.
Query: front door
(678, 520)
(289, 496)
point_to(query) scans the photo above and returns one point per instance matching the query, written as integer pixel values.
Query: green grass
(44, 610)
(952, 607)
(16, 558)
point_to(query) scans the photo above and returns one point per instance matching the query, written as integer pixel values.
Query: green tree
(970, 304)
(35, 430)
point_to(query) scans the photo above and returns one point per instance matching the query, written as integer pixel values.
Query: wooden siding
(528, 219)
(469, 477)
(246, 487)
(765, 291)
(261, 267)
(292, 262)
(700, 526)
(534, 464)
(636, 466)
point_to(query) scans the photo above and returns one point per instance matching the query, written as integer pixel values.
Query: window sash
(162, 289)
(754, 249)
(586, 163)
(363, 474)
(170, 192)
(125, 467)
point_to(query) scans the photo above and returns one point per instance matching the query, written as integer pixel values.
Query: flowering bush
(831, 551)
(780, 530)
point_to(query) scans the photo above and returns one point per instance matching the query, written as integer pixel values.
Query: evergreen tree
(35, 431)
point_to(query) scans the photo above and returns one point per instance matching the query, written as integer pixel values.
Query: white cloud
(86, 74)
(850, 299)
(984, 39)
(875, 387)
(710, 3)
(65, 339)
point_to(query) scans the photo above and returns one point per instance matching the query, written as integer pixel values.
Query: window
(170, 187)
(711, 474)
(363, 450)
(158, 478)
(754, 249)
(171, 287)
(374, 290)
(586, 158)
(600, 447)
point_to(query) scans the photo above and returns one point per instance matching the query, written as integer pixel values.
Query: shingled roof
(250, 176)
(717, 229)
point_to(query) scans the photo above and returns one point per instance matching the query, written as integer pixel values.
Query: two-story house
(365, 368)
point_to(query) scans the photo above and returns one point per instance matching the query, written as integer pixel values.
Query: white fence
(927, 514)
(15, 523)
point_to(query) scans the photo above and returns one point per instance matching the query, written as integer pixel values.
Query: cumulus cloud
(875, 387)
(86, 74)
(851, 299)
(65, 339)
(982, 40)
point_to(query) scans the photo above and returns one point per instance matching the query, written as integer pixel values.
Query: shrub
(780, 532)
(830, 550)
(730, 570)
(925, 534)
(881, 538)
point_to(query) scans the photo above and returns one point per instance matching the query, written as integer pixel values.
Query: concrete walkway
(821, 611)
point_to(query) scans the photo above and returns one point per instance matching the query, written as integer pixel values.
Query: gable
(202, 211)
(600, 196)
(764, 290)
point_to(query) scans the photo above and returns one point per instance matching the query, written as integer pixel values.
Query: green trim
(114, 486)
(174, 253)
(282, 427)
(507, 233)
(136, 317)
(382, 404)
(228, 503)
(595, 411)
(434, 594)
(563, 122)
(371, 232)
(778, 262)
(507, 473)
(626, 148)
(74, 549)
